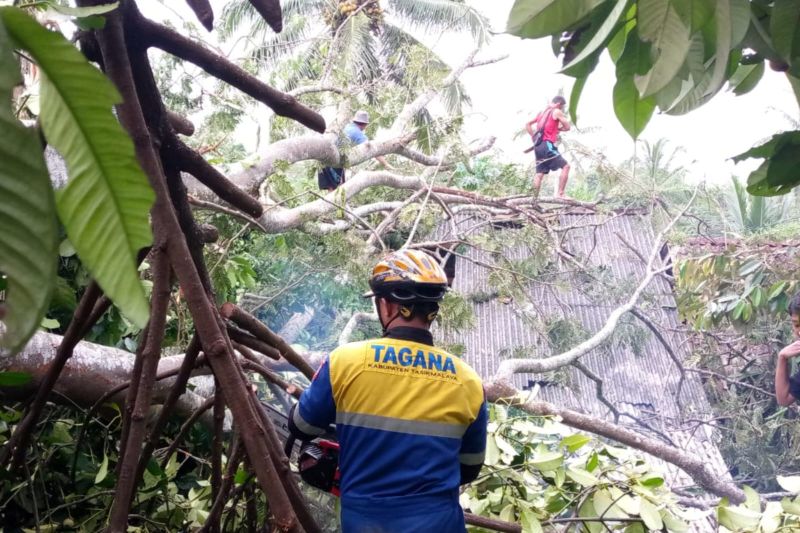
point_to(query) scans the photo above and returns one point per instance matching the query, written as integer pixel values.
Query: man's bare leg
(537, 183)
(562, 180)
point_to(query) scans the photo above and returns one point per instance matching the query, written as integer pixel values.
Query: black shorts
(548, 158)
(329, 178)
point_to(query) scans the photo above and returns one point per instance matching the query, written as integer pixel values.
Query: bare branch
(202, 9)
(270, 10)
(154, 34)
(503, 391)
(353, 323)
(513, 366)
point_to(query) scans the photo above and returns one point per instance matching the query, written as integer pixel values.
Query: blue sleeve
(473, 443)
(316, 409)
(355, 134)
(794, 385)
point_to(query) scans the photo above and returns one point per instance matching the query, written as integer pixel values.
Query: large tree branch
(509, 367)
(153, 34)
(503, 391)
(409, 111)
(104, 367)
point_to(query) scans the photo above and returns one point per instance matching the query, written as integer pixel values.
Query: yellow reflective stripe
(399, 425)
(471, 458)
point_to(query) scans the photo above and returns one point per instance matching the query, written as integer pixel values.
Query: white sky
(504, 96)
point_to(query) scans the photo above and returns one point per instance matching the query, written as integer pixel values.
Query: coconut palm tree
(746, 214)
(361, 41)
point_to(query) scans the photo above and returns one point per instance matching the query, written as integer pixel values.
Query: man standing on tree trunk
(787, 388)
(329, 178)
(548, 125)
(410, 418)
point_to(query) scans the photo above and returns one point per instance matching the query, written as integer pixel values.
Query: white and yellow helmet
(408, 276)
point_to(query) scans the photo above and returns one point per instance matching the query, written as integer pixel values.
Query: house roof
(640, 379)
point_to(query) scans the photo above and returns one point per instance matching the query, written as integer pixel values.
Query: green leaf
(771, 518)
(778, 174)
(531, 19)
(695, 13)
(746, 78)
(492, 452)
(582, 477)
(530, 523)
(507, 513)
(574, 98)
(14, 379)
(103, 472)
(752, 501)
(575, 442)
(776, 290)
(95, 22)
(789, 483)
(591, 464)
(606, 505)
(732, 18)
(659, 24)
(785, 29)
(28, 231)
(83, 11)
(65, 249)
(650, 515)
(633, 112)
(49, 323)
(673, 523)
(790, 507)
(105, 204)
(601, 36)
(738, 518)
(546, 461)
(652, 481)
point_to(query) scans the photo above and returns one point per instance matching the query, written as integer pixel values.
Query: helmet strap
(385, 326)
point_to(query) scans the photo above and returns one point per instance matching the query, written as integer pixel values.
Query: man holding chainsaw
(410, 417)
(549, 123)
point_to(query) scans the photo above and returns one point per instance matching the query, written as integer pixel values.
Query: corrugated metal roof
(642, 383)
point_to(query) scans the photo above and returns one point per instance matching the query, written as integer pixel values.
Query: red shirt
(550, 126)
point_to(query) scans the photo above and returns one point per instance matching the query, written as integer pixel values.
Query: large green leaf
(632, 111)
(746, 78)
(695, 13)
(28, 231)
(602, 35)
(659, 24)
(781, 170)
(731, 20)
(785, 29)
(539, 18)
(105, 204)
(575, 97)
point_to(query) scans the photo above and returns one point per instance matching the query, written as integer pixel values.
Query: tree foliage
(675, 55)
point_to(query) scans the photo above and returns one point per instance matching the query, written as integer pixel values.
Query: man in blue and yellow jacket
(410, 418)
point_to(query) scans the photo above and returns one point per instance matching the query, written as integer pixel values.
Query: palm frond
(294, 37)
(306, 65)
(240, 15)
(355, 53)
(396, 48)
(441, 16)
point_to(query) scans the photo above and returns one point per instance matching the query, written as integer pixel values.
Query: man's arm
(383, 162)
(316, 410)
(563, 123)
(783, 384)
(473, 446)
(529, 126)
